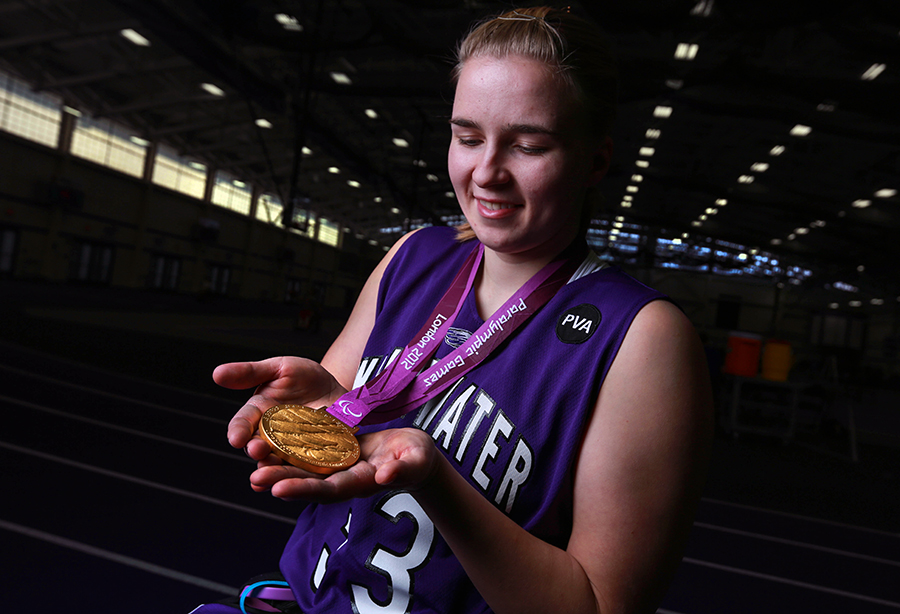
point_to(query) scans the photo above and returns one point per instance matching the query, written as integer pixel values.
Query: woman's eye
(531, 150)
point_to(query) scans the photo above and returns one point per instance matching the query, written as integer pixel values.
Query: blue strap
(248, 590)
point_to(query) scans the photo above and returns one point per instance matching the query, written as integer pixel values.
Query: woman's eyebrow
(463, 123)
(515, 128)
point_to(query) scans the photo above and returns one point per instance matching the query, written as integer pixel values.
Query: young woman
(559, 473)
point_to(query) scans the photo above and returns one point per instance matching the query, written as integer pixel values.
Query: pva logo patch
(578, 324)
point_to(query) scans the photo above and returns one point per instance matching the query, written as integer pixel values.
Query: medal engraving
(311, 439)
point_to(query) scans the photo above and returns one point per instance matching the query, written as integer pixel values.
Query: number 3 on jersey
(396, 567)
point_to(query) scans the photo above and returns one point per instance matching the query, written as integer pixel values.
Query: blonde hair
(572, 47)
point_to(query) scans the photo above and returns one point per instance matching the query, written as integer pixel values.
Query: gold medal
(311, 439)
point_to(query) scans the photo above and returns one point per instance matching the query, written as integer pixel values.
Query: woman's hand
(279, 380)
(394, 458)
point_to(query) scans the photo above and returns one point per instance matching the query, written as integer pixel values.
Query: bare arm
(638, 478)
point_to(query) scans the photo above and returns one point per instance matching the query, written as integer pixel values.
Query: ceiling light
(873, 71)
(703, 218)
(431, 177)
(696, 223)
(625, 204)
(632, 189)
(139, 141)
(619, 225)
(686, 51)
(135, 37)
(306, 151)
(833, 305)
(775, 241)
(662, 111)
(801, 231)
(642, 164)
(334, 170)
(340, 78)
(675, 84)
(377, 199)
(676, 241)
(855, 303)
(760, 167)
(703, 8)
(800, 130)
(652, 133)
(745, 179)
(420, 163)
(373, 242)
(239, 184)
(861, 203)
(711, 211)
(288, 22)
(401, 142)
(684, 235)
(877, 301)
(646, 151)
(791, 237)
(825, 107)
(721, 202)
(620, 218)
(197, 166)
(777, 150)
(395, 210)
(353, 183)
(263, 123)
(215, 90)
(628, 197)
(818, 224)
(861, 269)
(371, 114)
(450, 194)
(886, 193)
(71, 110)
(614, 231)
(637, 178)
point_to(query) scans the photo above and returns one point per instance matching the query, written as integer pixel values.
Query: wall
(141, 222)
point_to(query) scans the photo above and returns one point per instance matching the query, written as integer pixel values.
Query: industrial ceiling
(751, 128)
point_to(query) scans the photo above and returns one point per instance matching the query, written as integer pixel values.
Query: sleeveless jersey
(512, 426)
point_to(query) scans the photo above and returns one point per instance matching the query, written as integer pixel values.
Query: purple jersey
(512, 426)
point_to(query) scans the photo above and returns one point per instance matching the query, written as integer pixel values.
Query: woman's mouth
(491, 206)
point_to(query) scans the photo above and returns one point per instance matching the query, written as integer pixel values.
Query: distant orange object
(776, 360)
(742, 356)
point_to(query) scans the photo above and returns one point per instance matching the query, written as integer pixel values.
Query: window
(8, 240)
(304, 223)
(31, 115)
(329, 232)
(269, 209)
(92, 262)
(219, 278)
(231, 193)
(107, 143)
(164, 272)
(179, 173)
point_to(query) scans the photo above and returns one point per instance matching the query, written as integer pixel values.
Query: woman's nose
(490, 168)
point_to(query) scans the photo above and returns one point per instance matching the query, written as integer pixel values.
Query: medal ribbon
(405, 384)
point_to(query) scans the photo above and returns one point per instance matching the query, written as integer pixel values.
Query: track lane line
(788, 581)
(115, 557)
(148, 483)
(124, 429)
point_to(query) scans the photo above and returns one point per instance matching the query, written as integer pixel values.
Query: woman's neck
(501, 276)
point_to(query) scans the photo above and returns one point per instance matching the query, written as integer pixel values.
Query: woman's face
(521, 158)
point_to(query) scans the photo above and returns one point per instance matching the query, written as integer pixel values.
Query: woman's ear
(600, 161)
